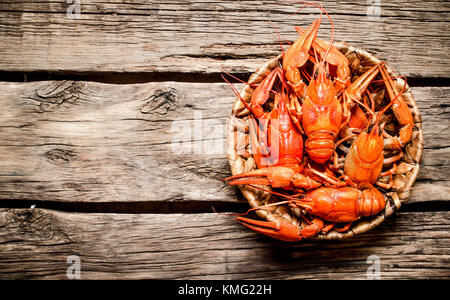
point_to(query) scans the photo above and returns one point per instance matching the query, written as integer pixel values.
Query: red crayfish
(316, 107)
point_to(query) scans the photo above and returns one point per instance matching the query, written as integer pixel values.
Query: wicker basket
(241, 161)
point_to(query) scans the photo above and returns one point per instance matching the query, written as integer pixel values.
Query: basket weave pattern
(242, 161)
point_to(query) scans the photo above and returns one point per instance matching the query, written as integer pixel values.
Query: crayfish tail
(320, 146)
(370, 203)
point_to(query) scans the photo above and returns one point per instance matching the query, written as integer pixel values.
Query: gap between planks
(149, 77)
(182, 207)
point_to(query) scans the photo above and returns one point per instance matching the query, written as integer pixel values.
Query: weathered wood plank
(35, 244)
(92, 142)
(210, 37)
(73, 141)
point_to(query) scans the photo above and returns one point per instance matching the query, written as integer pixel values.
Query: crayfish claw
(275, 176)
(279, 230)
(400, 110)
(296, 57)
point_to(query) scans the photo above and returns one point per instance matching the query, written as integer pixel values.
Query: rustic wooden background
(103, 153)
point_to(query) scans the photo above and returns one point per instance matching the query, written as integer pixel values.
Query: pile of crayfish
(319, 141)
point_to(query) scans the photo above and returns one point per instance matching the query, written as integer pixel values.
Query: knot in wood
(34, 224)
(60, 156)
(161, 102)
(57, 93)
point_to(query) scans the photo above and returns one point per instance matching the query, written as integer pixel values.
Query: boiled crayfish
(317, 107)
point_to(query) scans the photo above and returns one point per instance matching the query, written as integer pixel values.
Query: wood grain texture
(72, 141)
(35, 244)
(210, 37)
(79, 141)
(155, 147)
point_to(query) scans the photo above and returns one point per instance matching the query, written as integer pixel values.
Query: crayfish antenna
(289, 197)
(279, 37)
(236, 92)
(238, 79)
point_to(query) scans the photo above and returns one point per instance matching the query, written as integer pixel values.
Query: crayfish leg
(344, 228)
(312, 229)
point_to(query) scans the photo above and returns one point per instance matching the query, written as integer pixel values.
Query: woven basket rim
(404, 179)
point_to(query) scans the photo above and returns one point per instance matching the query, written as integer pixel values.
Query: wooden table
(113, 128)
